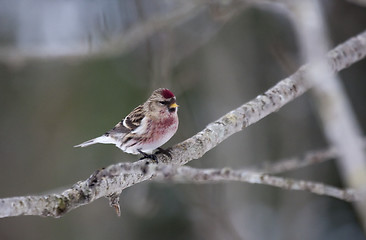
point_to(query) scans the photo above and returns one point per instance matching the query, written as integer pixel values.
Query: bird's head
(162, 100)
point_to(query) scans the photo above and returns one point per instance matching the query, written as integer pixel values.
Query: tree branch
(112, 180)
(186, 174)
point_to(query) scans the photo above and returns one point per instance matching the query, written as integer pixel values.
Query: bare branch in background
(295, 163)
(310, 158)
(112, 180)
(359, 2)
(339, 122)
(139, 32)
(116, 46)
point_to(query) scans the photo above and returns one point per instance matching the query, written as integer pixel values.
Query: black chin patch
(172, 110)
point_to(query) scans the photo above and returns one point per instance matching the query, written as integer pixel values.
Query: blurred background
(70, 70)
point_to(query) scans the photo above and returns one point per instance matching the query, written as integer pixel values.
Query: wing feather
(129, 123)
(133, 120)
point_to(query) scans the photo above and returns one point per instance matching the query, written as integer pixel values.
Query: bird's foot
(151, 156)
(164, 151)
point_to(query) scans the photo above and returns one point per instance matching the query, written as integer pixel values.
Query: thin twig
(294, 163)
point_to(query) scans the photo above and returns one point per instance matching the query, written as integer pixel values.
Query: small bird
(146, 128)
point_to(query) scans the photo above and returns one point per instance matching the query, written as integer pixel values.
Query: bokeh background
(70, 70)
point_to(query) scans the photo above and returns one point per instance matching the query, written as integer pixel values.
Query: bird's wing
(133, 120)
(129, 123)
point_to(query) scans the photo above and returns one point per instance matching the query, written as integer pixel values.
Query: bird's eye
(163, 102)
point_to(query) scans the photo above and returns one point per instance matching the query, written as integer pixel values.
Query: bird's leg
(164, 151)
(145, 155)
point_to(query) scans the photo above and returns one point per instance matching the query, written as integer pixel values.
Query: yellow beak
(173, 105)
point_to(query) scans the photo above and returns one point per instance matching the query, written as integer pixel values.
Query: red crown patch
(167, 93)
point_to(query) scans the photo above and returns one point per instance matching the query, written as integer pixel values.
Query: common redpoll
(146, 128)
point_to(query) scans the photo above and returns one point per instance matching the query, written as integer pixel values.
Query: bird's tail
(102, 139)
